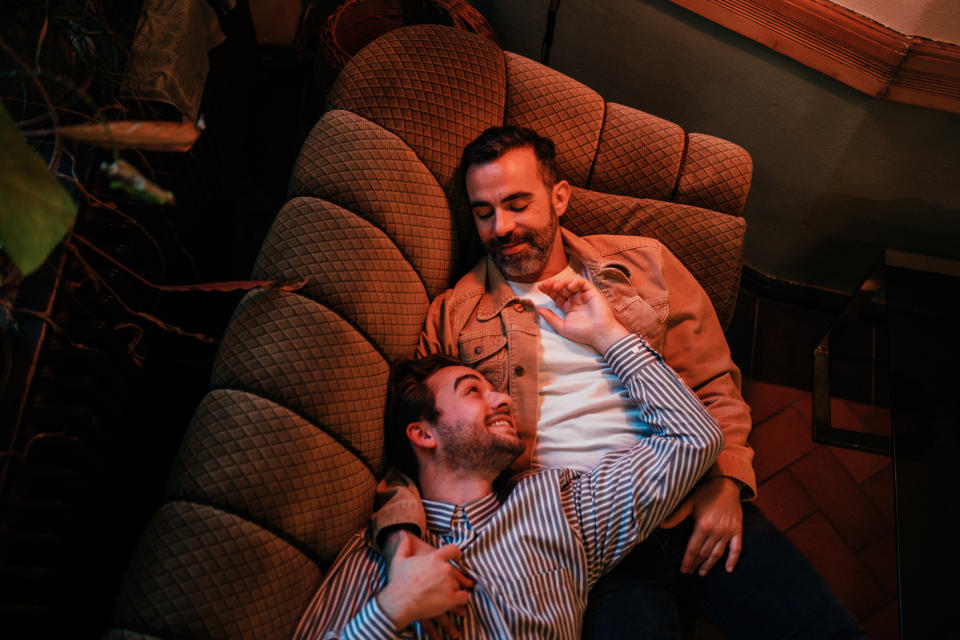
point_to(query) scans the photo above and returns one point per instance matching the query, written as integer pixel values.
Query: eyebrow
(465, 376)
(509, 198)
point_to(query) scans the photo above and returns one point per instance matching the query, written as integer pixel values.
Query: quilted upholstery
(706, 243)
(279, 462)
(203, 573)
(559, 108)
(351, 267)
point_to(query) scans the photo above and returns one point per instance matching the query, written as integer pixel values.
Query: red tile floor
(835, 504)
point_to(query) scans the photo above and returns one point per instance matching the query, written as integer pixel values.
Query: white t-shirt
(584, 409)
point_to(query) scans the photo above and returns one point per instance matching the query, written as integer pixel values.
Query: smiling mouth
(502, 421)
(513, 248)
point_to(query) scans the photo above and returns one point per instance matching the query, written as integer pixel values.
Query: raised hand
(424, 586)
(587, 319)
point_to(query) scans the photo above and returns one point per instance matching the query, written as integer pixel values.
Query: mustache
(513, 238)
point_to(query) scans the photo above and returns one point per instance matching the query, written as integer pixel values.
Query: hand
(718, 520)
(423, 585)
(431, 626)
(588, 318)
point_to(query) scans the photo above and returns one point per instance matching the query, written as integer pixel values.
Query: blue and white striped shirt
(536, 549)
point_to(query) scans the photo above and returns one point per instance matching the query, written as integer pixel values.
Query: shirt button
(518, 371)
(477, 350)
(518, 308)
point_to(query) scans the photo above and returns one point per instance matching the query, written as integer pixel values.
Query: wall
(934, 19)
(838, 175)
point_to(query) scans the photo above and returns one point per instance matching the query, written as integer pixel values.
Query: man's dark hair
(496, 141)
(410, 400)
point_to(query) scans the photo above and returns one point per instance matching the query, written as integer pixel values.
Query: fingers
(691, 557)
(551, 318)
(565, 290)
(463, 581)
(734, 556)
(430, 629)
(449, 552)
(712, 556)
(445, 623)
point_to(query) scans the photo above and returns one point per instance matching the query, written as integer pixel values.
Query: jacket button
(518, 371)
(518, 307)
(477, 350)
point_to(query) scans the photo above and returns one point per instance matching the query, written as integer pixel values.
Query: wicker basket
(355, 23)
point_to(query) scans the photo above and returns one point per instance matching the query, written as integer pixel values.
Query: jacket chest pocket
(487, 354)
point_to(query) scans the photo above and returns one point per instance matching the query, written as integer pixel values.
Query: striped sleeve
(345, 605)
(370, 624)
(632, 491)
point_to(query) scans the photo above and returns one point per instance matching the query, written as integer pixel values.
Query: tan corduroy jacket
(483, 322)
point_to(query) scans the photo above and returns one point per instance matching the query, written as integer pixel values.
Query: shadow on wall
(851, 233)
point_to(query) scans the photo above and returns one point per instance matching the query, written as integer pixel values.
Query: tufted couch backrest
(279, 464)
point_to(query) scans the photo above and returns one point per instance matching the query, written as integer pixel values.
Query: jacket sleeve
(437, 335)
(695, 347)
(397, 500)
(397, 504)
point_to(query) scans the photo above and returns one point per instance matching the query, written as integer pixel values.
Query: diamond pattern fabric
(435, 88)
(200, 572)
(558, 107)
(244, 452)
(352, 267)
(359, 166)
(305, 357)
(639, 154)
(126, 634)
(715, 175)
(709, 244)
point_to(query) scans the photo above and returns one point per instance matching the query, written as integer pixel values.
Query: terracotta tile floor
(836, 505)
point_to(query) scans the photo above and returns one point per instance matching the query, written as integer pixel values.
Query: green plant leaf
(35, 210)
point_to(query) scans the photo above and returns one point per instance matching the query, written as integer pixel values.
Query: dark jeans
(773, 592)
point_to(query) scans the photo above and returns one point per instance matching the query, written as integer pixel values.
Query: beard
(530, 262)
(472, 447)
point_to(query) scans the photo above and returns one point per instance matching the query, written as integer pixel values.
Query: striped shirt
(536, 548)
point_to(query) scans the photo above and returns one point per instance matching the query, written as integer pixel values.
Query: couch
(279, 463)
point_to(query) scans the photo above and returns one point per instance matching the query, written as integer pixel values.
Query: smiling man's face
(475, 429)
(517, 215)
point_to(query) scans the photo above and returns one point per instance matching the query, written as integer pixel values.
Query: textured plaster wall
(838, 175)
(934, 19)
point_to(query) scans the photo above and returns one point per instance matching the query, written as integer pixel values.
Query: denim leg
(773, 592)
(637, 599)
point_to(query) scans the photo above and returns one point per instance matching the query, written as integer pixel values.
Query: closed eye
(482, 212)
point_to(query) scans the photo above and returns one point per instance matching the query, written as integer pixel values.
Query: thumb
(449, 552)
(678, 516)
(552, 319)
(404, 547)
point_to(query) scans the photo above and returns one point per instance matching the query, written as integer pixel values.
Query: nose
(499, 401)
(504, 223)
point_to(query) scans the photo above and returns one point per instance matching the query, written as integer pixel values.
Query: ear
(420, 435)
(560, 196)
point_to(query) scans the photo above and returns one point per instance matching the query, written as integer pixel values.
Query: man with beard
(570, 409)
(514, 558)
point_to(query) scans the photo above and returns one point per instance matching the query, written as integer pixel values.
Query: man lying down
(531, 546)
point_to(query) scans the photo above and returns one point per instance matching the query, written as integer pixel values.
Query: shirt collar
(441, 516)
